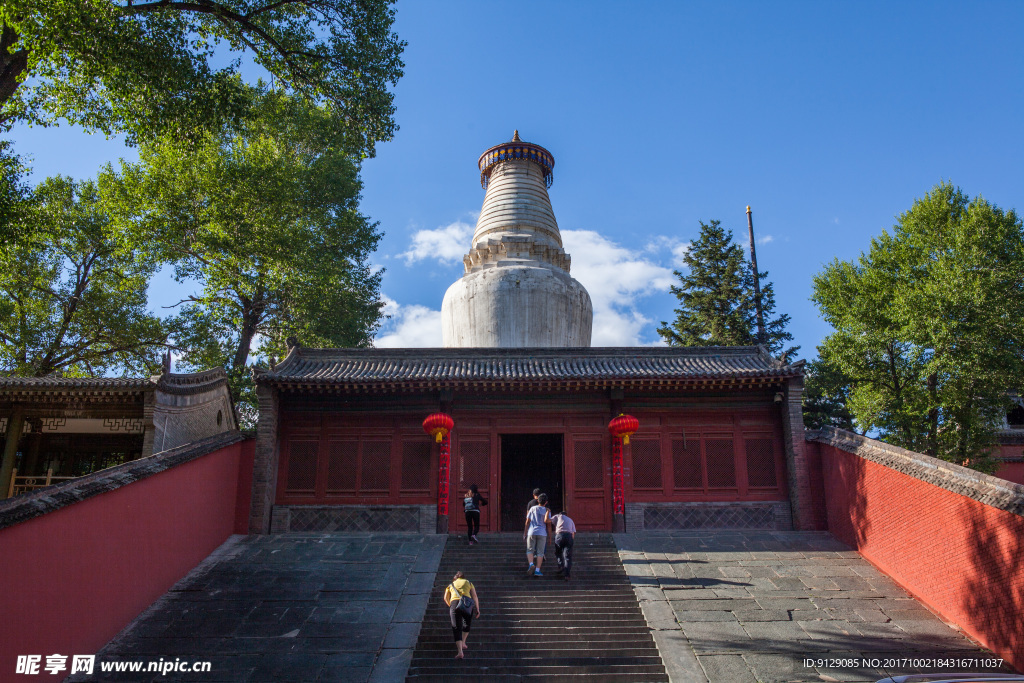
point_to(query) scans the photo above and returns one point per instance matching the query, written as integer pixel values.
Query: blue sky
(829, 119)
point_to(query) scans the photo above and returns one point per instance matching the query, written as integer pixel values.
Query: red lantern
(621, 428)
(438, 425)
(624, 426)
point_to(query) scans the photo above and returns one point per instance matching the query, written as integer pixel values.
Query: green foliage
(826, 397)
(14, 191)
(930, 326)
(716, 297)
(73, 293)
(169, 67)
(266, 220)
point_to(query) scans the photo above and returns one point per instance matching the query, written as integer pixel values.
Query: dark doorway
(528, 461)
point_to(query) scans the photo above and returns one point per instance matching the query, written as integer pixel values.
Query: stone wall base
(771, 515)
(326, 518)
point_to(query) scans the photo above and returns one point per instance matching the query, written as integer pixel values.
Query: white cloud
(675, 245)
(766, 239)
(409, 326)
(616, 278)
(448, 243)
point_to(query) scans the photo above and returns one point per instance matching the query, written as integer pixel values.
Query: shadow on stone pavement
(764, 606)
(290, 607)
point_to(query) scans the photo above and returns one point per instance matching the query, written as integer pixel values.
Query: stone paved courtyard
(734, 606)
(744, 606)
(290, 607)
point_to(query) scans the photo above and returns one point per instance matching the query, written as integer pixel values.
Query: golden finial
(515, 137)
(748, 208)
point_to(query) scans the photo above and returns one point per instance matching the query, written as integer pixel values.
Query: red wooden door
(588, 482)
(471, 464)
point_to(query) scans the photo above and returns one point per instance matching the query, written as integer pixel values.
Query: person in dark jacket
(472, 503)
(536, 494)
(565, 535)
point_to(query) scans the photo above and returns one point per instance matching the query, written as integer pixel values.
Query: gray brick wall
(769, 515)
(328, 518)
(797, 470)
(264, 472)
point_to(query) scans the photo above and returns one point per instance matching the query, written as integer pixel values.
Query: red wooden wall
(706, 456)
(677, 456)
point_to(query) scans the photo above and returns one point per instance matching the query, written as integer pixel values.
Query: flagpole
(761, 336)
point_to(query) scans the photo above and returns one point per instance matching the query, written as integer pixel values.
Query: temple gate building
(340, 442)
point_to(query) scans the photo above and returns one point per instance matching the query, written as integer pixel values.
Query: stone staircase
(538, 628)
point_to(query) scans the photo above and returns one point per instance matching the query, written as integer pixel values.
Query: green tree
(266, 221)
(73, 294)
(14, 191)
(152, 67)
(826, 397)
(716, 298)
(929, 326)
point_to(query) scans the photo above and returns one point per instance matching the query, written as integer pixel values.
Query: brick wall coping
(984, 488)
(30, 505)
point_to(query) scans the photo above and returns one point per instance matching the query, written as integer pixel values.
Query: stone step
(487, 669)
(476, 676)
(539, 628)
(445, 650)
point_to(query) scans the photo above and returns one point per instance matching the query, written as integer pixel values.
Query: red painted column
(618, 488)
(444, 462)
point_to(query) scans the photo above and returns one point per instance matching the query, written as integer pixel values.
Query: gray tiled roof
(172, 383)
(51, 383)
(367, 367)
(192, 383)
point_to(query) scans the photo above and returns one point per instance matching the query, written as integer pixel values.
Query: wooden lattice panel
(686, 464)
(416, 470)
(720, 459)
(342, 466)
(761, 462)
(646, 463)
(474, 464)
(303, 458)
(587, 464)
(375, 469)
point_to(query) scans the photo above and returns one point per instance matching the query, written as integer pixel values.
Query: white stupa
(516, 291)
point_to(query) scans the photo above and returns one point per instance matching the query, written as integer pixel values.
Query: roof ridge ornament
(515, 136)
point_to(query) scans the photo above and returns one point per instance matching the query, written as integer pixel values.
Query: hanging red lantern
(624, 426)
(438, 425)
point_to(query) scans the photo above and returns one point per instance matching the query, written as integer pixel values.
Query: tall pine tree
(716, 297)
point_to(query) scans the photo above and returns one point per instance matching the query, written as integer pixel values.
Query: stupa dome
(516, 290)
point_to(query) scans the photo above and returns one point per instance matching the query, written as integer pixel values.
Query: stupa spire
(516, 290)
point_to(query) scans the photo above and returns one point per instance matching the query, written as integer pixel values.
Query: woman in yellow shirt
(456, 590)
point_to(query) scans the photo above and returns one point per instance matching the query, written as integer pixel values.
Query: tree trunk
(252, 314)
(12, 65)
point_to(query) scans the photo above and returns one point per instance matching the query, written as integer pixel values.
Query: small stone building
(59, 428)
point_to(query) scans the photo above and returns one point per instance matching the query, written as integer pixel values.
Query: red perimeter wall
(1012, 471)
(962, 558)
(73, 578)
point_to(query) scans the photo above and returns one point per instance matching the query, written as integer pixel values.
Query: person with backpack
(471, 504)
(463, 605)
(565, 536)
(535, 532)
